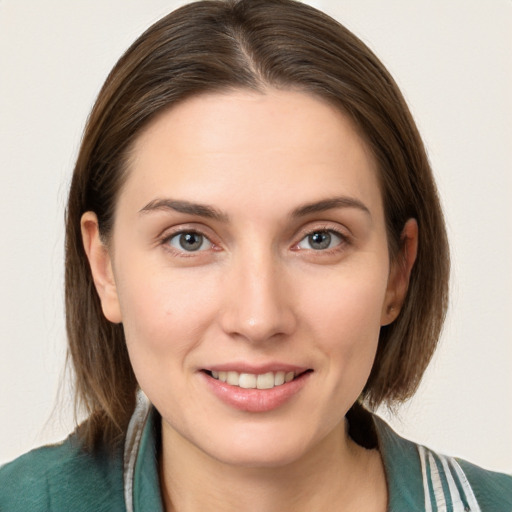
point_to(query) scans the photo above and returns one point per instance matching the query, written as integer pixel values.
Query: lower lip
(256, 400)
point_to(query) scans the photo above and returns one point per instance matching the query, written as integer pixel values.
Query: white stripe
(131, 445)
(457, 503)
(470, 496)
(428, 504)
(437, 484)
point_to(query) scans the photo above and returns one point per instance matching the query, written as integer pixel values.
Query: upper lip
(244, 367)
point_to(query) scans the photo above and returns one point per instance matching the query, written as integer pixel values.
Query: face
(249, 267)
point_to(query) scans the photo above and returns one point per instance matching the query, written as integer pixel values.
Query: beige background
(453, 62)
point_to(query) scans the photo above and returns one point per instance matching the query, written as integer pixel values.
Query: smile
(261, 391)
(267, 380)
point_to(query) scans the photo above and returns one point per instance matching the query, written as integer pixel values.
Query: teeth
(251, 381)
(265, 381)
(233, 378)
(279, 379)
(247, 380)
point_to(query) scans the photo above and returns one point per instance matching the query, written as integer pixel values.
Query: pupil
(191, 241)
(320, 240)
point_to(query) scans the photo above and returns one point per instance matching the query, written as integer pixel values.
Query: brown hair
(256, 44)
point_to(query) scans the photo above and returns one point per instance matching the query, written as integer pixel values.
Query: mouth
(254, 391)
(267, 380)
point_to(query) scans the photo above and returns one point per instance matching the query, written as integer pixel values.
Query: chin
(265, 447)
(258, 456)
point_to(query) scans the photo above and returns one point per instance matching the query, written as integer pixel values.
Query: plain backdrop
(452, 60)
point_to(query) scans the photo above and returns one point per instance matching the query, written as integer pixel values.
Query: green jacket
(65, 478)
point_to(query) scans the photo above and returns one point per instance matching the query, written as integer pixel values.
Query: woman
(255, 253)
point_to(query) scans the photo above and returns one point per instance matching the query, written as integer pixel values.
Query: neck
(336, 475)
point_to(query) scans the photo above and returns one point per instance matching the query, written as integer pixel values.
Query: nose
(258, 305)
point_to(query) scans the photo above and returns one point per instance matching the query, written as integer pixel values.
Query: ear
(101, 267)
(400, 273)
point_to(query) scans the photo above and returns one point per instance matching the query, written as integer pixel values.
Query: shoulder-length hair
(253, 44)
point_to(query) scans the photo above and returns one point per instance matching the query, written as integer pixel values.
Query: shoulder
(419, 474)
(492, 490)
(63, 477)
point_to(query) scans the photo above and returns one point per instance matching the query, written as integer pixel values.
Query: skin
(258, 290)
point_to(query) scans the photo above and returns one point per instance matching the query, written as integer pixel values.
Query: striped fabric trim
(426, 490)
(437, 484)
(472, 503)
(131, 445)
(445, 484)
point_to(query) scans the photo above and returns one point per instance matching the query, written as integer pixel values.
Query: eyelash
(343, 241)
(167, 238)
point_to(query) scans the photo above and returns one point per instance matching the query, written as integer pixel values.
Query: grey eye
(320, 240)
(189, 241)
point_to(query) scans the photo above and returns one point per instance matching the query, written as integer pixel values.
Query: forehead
(274, 143)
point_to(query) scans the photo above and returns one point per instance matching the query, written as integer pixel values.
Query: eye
(189, 241)
(320, 240)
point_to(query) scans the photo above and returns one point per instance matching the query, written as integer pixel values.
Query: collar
(417, 478)
(140, 465)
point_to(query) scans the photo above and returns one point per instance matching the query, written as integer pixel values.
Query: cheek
(162, 315)
(345, 319)
(350, 303)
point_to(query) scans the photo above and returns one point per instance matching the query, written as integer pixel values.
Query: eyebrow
(201, 210)
(329, 204)
(209, 212)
